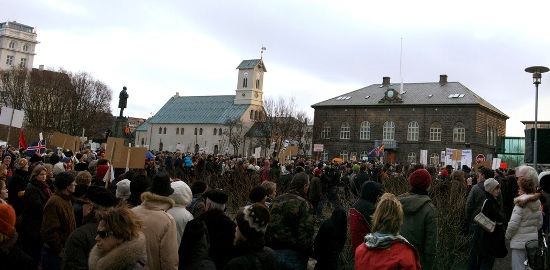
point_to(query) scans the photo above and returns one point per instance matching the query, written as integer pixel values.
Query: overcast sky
(316, 50)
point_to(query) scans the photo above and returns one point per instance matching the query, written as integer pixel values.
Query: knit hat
(123, 189)
(257, 194)
(252, 221)
(101, 196)
(317, 172)
(216, 195)
(54, 158)
(355, 168)
(544, 180)
(161, 184)
(139, 185)
(101, 171)
(320, 165)
(444, 173)
(490, 184)
(6, 154)
(21, 163)
(63, 180)
(198, 187)
(420, 178)
(7, 219)
(182, 193)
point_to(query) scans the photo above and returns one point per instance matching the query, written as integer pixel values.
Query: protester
(360, 213)
(11, 255)
(330, 240)
(197, 205)
(137, 187)
(182, 198)
(19, 182)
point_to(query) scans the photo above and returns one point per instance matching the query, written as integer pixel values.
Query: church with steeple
(202, 124)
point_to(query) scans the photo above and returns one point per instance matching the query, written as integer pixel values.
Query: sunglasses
(103, 234)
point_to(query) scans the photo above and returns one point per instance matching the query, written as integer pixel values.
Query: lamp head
(537, 73)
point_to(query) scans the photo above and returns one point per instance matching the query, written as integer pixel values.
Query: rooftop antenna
(401, 92)
(262, 52)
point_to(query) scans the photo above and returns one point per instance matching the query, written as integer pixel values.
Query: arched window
(142, 141)
(411, 158)
(434, 159)
(251, 114)
(215, 131)
(324, 155)
(182, 130)
(459, 132)
(200, 131)
(177, 131)
(435, 132)
(220, 131)
(195, 131)
(344, 131)
(388, 132)
(257, 115)
(245, 82)
(26, 47)
(257, 84)
(364, 131)
(164, 130)
(325, 133)
(12, 45)
(413, 130)
(344, 155)
(160, 130)
(364, 155)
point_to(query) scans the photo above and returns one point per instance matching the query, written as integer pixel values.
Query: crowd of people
(63, 210)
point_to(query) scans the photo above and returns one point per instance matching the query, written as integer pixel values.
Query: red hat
(7, 219)
(444, 173)
(420, 178)
(317, 172)
(101, 171)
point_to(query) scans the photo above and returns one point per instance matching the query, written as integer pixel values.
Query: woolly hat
(544, 180)
(35, 158)
(317, 172)
(355, 168)
(123, 189)
(101, 196)
(257, 194)
(182, 193)
(444, 173)
(21, 163)
(216, 195)
(320, 165)
(101, 171)
(139, 185)
(198, 187)
(252, 221)
(490, 184)
(6, 154)
(420, 178)
(63, 180)
(7, 219)
(161, 184)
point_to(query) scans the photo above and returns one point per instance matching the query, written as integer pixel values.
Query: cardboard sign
(457, 155)
(129, 157)
(485, 164)
(289, 152)
(112, 146)
(65, 141)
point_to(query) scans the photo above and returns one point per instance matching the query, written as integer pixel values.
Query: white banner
(11, 117)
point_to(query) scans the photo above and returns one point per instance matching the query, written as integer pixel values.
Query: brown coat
(58, 222)
(159, 228)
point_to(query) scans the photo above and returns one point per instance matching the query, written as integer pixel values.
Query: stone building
(407, 118)
(17, 45)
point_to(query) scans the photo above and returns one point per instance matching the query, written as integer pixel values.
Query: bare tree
(14, 85)
(235, 133)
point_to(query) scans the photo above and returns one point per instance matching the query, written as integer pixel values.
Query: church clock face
(390, 94)
(243, 94)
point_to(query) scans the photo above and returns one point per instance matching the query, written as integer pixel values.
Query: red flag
(22, 143)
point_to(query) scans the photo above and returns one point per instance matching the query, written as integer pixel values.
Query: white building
(17, 45)
(199, 123)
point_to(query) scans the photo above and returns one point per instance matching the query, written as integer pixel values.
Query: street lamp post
(537, 75)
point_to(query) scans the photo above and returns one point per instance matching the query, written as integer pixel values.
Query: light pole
(537, 75)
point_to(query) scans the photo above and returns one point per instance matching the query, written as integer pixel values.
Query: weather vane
(262, 53)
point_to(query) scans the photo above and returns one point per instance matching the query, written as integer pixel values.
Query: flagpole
(400, 65)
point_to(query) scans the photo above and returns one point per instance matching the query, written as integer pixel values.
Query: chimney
(177, 94)
(385, 80)
(41, 67)
(442, 79)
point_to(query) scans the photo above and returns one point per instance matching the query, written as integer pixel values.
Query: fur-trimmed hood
(128, 255)
(530, 200)
(153, 201)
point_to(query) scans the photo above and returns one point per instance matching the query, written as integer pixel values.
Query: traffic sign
(480, 158)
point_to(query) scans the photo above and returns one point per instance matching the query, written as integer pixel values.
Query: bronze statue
(123, 97)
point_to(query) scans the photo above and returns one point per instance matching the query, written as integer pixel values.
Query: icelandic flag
(33, 147)
(377, 151)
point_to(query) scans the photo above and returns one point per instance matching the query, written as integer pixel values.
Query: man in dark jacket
(360, 221)
(82, 240)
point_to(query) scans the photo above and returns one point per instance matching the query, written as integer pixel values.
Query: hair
(83, 177)
(269, 186)
(2, 184)
(102, 161)
(527, 185)
(48, 166)
(457, 175)
(299, 180)
(529, 172)
(124, 223)
(388, 216)
(299, 169)
(363, 167)
(37, 170)
(3, 167)
(487, 173)
(215, 205)
(198, 187)
(511, 171)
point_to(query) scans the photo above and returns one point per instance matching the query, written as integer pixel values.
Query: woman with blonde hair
(120, 244)
(385, 248)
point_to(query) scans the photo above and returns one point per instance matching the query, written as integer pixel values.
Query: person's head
(83, 178)
(123, 189)
(388, 216)
(199, 187)
(257, 194)
(270, 188)
(485, 173)
(457, 175)
(371, 191)
(252, 223)
(3, 190)
(3, 170)
(140, 184)
(363, 167)
(528, 173)
(544, 181)
(182, 195)
(492, 186)
(65, 183)
(39, 173)
(97, 198)
(6, 158)
(215, 199)
(420, 179)
(7, 222)
(300, 182)
(161, 184)
(526, 186)
(22, 164)
(116, 225)
(355, 168)
(49, 169)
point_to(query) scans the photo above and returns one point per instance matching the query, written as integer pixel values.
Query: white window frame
(324, 155)
(411, 157)
(344, 155)
(435, 132)
(9, 60)
(364, 131)
(459, 133)
(325, 133)
(434, 159)
(345, 131)
(413, 131)
(388, 131)
(23, 62)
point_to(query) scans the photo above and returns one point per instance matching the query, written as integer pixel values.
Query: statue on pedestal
(123, 98)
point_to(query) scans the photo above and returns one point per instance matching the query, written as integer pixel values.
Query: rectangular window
(459, 134)
(435, 134)
(325, 134)
(24, 62)
(344, 132)
(9, 60)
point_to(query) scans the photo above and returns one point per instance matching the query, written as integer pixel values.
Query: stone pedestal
(120, 125)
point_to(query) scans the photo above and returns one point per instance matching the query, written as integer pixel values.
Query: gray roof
(143, 126)
(250, 64)
(450, 93)
(199, 110)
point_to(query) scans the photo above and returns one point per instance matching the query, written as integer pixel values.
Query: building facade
(17, 45)
(407, 118)
(208, 124)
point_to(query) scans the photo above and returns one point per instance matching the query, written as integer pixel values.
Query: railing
(388, 144)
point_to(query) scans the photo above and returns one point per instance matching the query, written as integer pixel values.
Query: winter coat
(197, 205)
(291, 225)
(315, 191)
(492, 243)
(58, 222)
(193, 254)
(16, 190)
(35, 198)
(330, 240)
(264, 259)
(475, 200)
(181, 217)
(420, 225)
(159, 228)
(188, 162)
(11, 255)
(526, 220)
(79, 244)
(393, 252)
(220, 231)
(360, 221)
(129, 255)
